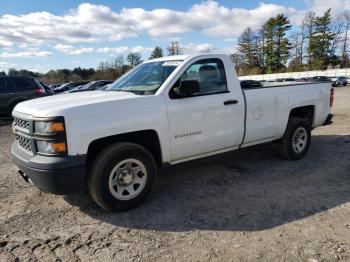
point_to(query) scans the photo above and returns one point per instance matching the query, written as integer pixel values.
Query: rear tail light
(39, 90)
(331, 98)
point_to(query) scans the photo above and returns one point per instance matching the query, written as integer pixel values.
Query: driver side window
(210, 75)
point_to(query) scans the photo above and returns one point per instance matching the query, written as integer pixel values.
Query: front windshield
(145, 78)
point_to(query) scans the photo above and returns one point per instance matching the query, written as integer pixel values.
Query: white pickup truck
(164, 111)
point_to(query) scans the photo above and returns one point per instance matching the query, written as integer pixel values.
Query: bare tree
(298, 40)
(302, 42)
(174, 48)
(338, 26)
(344, 41)
(238, 61)
(309, 24)
(118, 61)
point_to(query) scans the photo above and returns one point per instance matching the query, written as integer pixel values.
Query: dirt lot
(240, 206)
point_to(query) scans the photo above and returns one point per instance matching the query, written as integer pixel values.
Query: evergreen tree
(156, 53)
(320, 42)
(277, 45)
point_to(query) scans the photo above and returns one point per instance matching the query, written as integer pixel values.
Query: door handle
(230, 102)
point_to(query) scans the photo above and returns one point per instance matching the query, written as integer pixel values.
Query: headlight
(48, 127)
(48, 147)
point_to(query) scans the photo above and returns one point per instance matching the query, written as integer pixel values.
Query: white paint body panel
(268, 108)
(216, 128)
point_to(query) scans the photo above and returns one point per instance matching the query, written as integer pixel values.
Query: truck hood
(53, 105)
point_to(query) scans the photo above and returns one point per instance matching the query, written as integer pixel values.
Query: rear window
(250, 84)
(22, 83)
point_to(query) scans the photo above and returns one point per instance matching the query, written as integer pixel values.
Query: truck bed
(267, 107)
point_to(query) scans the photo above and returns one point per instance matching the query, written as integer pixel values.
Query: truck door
(209, 120)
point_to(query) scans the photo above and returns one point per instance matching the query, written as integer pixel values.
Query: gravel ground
(239, 206)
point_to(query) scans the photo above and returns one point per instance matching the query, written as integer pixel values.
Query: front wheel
(121, 176)
(296, 139)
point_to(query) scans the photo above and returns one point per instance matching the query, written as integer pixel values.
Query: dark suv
(15, 89)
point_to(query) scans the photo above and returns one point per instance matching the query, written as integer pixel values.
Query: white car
(163, 112)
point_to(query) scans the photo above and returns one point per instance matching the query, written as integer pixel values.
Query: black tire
(287, 148)
(100, 171)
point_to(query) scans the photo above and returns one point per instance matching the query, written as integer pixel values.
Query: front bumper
(58, 175)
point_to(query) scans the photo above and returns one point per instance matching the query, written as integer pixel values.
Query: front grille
(20, 123)
(24, 143)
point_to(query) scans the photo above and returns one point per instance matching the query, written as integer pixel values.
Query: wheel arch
(146, 138)
(306, 112)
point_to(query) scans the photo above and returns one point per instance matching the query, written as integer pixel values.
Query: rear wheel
(122, 176)
(296, 139)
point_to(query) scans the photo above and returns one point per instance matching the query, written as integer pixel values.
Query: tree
(156, 53)
(12, 72)
(118, 62)
(237, 60)
(277, 45)
(320, 44)
(309, 22)
(249, 50)
(174, 49)
(134, 59)
(295, 65)
(298, 40)
(344, 48)
(2, 73)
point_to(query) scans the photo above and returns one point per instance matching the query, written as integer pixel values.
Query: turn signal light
(56, 127)
(59, 147)
(48, 147)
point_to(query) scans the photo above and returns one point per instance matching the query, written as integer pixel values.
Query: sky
(41, 35)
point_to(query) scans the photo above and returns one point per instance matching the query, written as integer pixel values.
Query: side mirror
(188, 88)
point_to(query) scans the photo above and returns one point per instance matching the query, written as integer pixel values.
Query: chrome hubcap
(127, 179)
(299, 139)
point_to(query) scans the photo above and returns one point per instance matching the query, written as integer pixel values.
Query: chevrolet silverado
(163, 112)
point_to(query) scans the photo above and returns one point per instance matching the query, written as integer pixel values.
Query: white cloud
(4, 66)
(93, 23)
(26, 54)
(124, 49)
(337, 6)
(71, 50)
(5, 44)
(89, 23)
(198, 48)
